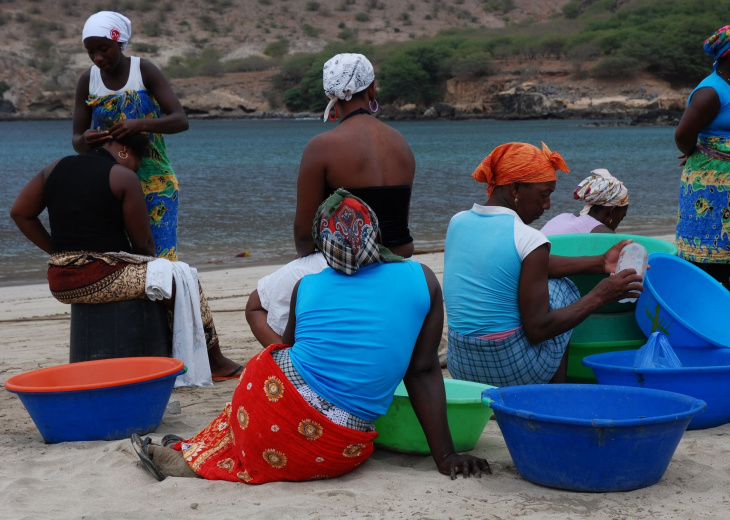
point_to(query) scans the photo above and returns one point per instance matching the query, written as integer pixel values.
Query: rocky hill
(42, 55)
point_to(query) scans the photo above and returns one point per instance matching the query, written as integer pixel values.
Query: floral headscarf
(601, 189)
(718, 45)
(345, 230)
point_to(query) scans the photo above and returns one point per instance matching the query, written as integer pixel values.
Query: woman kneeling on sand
(100, 242)
(305, 412)
(510, 312)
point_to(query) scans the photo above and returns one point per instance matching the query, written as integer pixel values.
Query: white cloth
(602, 189)
(276, 288)
(188, 337)
(134, 80)
(108, 24)
(344, 75)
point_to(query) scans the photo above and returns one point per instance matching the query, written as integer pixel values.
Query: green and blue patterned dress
(159, 183)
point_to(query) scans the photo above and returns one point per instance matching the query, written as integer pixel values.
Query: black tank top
(390, 204)
(83, 212)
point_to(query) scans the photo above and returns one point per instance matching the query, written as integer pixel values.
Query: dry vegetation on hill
(221, 55)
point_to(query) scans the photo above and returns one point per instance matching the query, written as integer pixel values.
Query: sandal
(140, 448)
(170, 440)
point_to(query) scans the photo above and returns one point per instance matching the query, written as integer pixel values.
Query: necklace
(354, 113)
(722, 75)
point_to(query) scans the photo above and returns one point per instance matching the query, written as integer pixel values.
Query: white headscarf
(344, 75)
(601, 189)
(108, 24)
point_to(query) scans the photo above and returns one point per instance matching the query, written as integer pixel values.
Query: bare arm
(28, 206)
(425, 385)
(288, 337)
(173, 119)
(560, 266)
(84, 138)
(602, 229)
(703, 108)
(539, 321)
(126, 187)
(311, 185)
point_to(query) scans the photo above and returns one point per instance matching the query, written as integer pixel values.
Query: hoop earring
(122, 154)
(370, 104)
(610, 219)
(330, 115)
(515, 201)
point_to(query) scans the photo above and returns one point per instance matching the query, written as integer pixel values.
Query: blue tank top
(355, 334)
(481, 274)
(720, 126)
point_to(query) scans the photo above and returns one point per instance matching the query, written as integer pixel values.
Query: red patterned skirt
(269, 433)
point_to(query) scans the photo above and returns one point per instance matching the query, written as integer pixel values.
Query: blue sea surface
(238, 180)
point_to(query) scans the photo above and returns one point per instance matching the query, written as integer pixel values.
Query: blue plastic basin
(105, 399)
(683, 302)
(705, 374)
(591, 437)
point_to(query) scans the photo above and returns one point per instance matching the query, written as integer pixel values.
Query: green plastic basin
(587, 244)
(597, 334)
(399, 429)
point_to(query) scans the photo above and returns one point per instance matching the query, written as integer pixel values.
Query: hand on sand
(467, 465)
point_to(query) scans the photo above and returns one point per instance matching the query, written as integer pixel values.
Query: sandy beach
(103, 480)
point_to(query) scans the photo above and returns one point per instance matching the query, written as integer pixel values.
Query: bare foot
(221, 367)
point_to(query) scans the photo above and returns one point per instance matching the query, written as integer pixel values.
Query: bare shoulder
(82, 87)
(85, 76)
(322, 142)
(146, 65)
(123, 175)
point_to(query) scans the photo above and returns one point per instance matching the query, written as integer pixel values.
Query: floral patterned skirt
(703, 225)
(269, 433)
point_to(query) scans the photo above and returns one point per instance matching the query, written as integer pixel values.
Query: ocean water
(238, 180)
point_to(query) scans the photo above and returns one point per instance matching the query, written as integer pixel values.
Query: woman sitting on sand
(606, 201)
(100, 241)
(361, 154)
(305, 412)
(510, 313)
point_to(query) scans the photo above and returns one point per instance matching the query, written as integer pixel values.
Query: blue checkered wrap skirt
(512, 360)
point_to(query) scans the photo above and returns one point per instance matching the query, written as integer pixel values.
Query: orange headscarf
(519, 162)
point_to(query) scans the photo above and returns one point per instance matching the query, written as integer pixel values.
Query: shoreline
(99, 479)
(251, 261)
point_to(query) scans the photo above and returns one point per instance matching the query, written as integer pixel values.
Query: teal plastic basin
(597, 334)
(588, 244)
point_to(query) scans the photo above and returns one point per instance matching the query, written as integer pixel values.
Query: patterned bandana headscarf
(344, 75)
(519, 162)
(601, 189)
(108, 24)
(718, 45)
(345, 229)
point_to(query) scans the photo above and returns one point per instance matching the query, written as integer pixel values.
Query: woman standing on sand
(703, 137)
(134, 95)
(361, 154)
